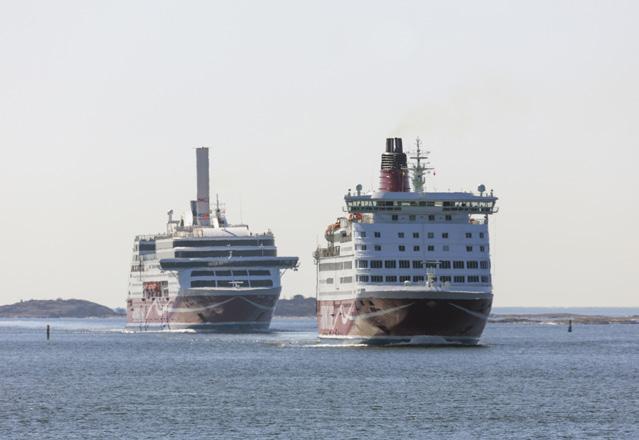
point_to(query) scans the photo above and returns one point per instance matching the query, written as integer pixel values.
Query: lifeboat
(355, 216)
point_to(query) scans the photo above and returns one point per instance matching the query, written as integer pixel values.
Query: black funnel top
(389, 145)
(398, 145)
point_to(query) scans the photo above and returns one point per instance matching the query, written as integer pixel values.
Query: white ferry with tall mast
(210, 275)
(407, 266)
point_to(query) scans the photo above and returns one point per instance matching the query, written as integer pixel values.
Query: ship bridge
(421, 203)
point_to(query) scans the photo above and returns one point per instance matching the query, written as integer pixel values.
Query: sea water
(94, 380)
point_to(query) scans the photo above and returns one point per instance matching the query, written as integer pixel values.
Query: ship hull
(219, 312)
(442, 318)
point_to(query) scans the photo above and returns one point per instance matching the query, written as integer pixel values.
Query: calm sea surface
(92, 380)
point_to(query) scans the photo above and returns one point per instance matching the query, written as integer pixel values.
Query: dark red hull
(421, 320)
(246, 312)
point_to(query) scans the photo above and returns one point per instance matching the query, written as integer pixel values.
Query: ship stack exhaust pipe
(203, 206)
(393, 175)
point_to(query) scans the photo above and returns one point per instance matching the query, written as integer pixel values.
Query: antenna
(418, 169)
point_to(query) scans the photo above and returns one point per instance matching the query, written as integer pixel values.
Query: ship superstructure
(206, 276)
(407, 266)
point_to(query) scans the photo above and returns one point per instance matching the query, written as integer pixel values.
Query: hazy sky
(102, 103)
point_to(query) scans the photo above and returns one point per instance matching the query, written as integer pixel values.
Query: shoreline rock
(58, 308)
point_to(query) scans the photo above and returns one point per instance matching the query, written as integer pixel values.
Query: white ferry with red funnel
(407, 265)
(210, 275)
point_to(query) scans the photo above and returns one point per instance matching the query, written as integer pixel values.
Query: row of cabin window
(421, 278)
(415, 278)
(218, 242)
(225, 253)
(417, 248)
(238, 283)
(378, 234)
(335, 266)
(420, 264)
(412, 217)
(342, 280)
(228, 273)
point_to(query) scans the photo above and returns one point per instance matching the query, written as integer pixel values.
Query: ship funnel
(202, 207)
(194, 211)
(389, 145)
(394, 170)
(398, 145)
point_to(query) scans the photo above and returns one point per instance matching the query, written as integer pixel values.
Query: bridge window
(259, 272)
(203, 283)
(266, 283)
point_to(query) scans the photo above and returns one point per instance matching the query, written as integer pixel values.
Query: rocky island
(59, 308)
(298, 306)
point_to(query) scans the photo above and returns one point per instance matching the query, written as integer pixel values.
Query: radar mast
(420, 168)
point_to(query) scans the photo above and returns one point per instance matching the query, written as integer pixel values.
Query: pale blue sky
(102, 103)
